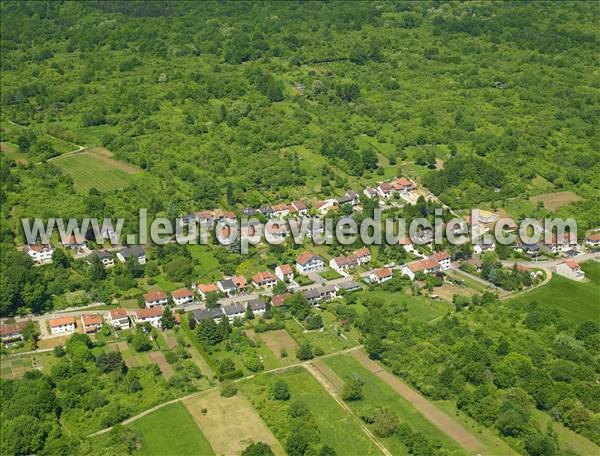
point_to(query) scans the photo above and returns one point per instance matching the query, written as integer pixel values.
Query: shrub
(228, 390)
(281, 391)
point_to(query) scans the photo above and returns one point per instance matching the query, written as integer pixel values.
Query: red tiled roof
(572, 264)
(91, 319)
(182, 293)
(418, 266)
(39, 247)
(209, 288)
(300, 205)
(594, 237)
(262, 277)
(305, 258)
(155, 296)
(286, 269)
(148, 313)
(115, 314)
(12, 328)
(382, 273)
(240, 281)
(61, 321)
(279, 300)
(439, 256)
(362, 252)
(405, 241)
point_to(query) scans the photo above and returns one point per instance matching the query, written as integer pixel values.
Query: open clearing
(434, 415)
(94, 170)
(168, 431)
(553, 201)
(577, 301)
(278, 339)
(165, 367)
(230, 424)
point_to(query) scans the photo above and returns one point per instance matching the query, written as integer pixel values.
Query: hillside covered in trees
(238, 104)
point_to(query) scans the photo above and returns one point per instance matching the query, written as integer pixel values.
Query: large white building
(40, 253)
(308, 262)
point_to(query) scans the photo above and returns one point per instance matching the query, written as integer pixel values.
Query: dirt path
(446, 424)
(332, 390)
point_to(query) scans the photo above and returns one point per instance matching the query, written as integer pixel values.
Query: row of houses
(159, 298)
(357, 258)
(42, 254)
(231, 311)
(388, 189)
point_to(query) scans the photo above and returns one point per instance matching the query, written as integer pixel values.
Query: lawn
(327, 339)
(337, 429)
(170, 430)
(577, 301)
(206, 266)
(92, 170)
(378, 394)
(419, 308)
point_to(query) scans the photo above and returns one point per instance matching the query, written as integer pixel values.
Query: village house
(267, 211)
(275, 231)
(348, 286)
(370, 192)
(280, 210)
(308, 262)
(75, 241)
(343, 263)
(350, 197)
(40, 253)
(229, 216)
(227, 287)
(264, 279)
(205, 218)
(151, 315)
(182, 297)
(233, 311)
(62, 326)
(403, 185)
(363, 255)
(279, 300)
(284, 273)
(427, 266)
(136, 252)
(528, 249)
(484, 245)
(241, 284)
(316, 228)
(258, 306)
(558, 245)
(214, 314)
(406, 244)
(300, 207)
(318, 294)
(323, 207)
(12, 332)
(118, 318)
(91, 323)
(385, 190)
(155, 299)
(570, 269)
(186, 220)
(106, 258)
(476, 263)
(381, 275)
(206, 289)
(443, 258)
(593, 239)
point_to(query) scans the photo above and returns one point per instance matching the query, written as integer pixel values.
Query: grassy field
(230, 424)
(206, 267)
(419, 308)
(88, 169)
(170, 430)
(577, 301)
(567, 438)
(378, 394)
(553, 201)
(337, 429)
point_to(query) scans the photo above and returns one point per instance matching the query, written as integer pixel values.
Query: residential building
(155, 299)
(407, 244)
(40, 253)
(258, 306)
(475, 262)
(118, 318)
(308, 262)
(275, 231)
(279, 300)
(206, 289)
(403, 185)
(234, 310)
(323, 207)
(300, 207)
(205, 218)
(227, 287)
(284, 273)
(348, 286)
(427, 266)
(12, 332)
(208, 314)
(370, 192)
(106, 258)
(182, 297)
(151, 315)
(380, 275)
(343, 263)
(264, 279)
(593, 239)
(91, 323)
(385, 190)
(74, 241)
(280, 210)
(266, 211)
(62, 326)
(570, 269)
(560, 244)
(318, 294)
(484, 245)
(528, 249)
(363, 255)
(241, 284)
(443, 258)
(136, 252)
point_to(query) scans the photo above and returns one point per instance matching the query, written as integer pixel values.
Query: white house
(73, 242)
(403, 185)
(363, 255)
(91, 323)
(258, 306)
(61, 326)
(570, 269)
(234, 310)
(307, 262)
(556, 245)
(406, 244)
(12, 332)
(318, 294)
(427, 266)
(227, 287)
(593, 239)
(381, 275)
(136, 252)
(155, 299)
(40, 253)
(370, 193)
(106, 258)
(484, 245)
(284, 273)
(182, 297)
(300, 207)
(323, 207)
(264, 279)
(443, 259)
(343, 263)
(385, 190)
(206, 289)
(118, 318)
(151, 315)
(280, 210)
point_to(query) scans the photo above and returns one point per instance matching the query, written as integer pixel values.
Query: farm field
(577, 301)
(170, 430)
(419, 308)
(230, 424)
(279, 340)
(95, 170)
(337, 429)
(553, 201)
(378, 393)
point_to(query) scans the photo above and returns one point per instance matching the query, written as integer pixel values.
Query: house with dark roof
(315, 295)
(234, 310)
(348, 286)
(136, 252)
(106, 258)
(208, 314)
(257, 305)
(227, 287)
